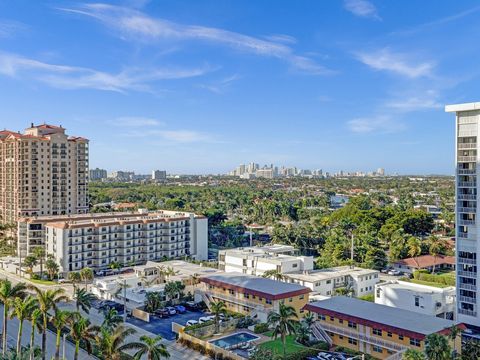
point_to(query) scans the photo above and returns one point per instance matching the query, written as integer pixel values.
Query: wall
(210, 346)
(140, 314)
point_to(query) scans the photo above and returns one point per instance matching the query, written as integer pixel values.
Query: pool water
(234, 339)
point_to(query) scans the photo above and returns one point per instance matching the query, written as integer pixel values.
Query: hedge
(444, 280)
(260, 328)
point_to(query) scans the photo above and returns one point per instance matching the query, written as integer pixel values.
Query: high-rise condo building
(467, 225)
(42, 172)
(98, 174)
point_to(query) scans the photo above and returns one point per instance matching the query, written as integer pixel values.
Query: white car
(204, 319)
(394, 272)
(191, 322)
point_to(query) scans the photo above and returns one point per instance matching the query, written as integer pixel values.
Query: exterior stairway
(319, 332)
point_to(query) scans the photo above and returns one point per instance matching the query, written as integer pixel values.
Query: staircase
(319, 332)
(396, 356)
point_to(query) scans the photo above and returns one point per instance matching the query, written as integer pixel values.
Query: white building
(428, 300)
(325, 282)
(257, 260)
(96, 240)
(467, 229)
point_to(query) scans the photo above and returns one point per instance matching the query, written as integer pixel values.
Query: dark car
(180, 309)
(190, 305)
(162, 312)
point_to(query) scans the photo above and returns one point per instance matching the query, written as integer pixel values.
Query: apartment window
(414, 342)
(352, 325)
(294, 265)
(329, 281)
(231, 292)
(268, 301)
(246, 296)
(332, 318)
(389, 334)
(301, 297)
(400, 337)
(322, 317)
(290, 299)
(352, 341)
(340, 336)
(340, 321)
(417, 301)
(377, 332)
(377, 349)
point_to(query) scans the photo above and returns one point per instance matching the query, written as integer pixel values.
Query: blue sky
(200, 86)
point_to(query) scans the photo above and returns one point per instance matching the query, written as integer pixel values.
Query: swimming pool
(234, 339)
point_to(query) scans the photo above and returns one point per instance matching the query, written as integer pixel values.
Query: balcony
(467, 183)
(467, 312)
(467, 159)
(467, 299)
(466, 197)
(467, 261)
(468, 287)
(467, 172)
(470, 210)
(469, 274)
(465, 146)
(466, 222)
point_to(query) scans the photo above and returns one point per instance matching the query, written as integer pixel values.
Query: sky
(201, 86)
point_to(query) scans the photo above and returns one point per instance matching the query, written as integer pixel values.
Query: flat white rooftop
(463, 107)
(325, 274)
(418, 288)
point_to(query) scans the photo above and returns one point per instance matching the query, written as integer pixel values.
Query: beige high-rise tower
(42, 172)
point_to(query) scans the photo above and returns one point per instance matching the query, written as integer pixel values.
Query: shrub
(260, 328)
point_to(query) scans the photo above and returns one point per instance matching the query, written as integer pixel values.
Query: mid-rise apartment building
(42, 172)
(96, 240)
(467, 223)
(98, 174)
(424, 299)
(381, 331)
(257, 260)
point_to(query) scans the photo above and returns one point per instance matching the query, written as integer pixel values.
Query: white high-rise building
(159, 175)
(467, 225)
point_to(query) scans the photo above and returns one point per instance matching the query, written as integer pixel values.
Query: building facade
(380, 331)
(159, 175)
(252, 295)
(42, 172)
(96, 240)
(467, 225)
(424, 299)
(98, 174)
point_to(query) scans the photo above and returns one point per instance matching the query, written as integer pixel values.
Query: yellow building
(381, 331)
(252, 295)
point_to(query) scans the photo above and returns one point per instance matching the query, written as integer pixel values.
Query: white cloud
(136, 26)
(129, 121)
(8, 28)
(219, 87)
(171, 136)
(376, 124)
(415, 103)
(362, 8)
(398, 63)
(74, 77)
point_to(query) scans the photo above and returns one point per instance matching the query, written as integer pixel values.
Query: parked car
(180, 309)
(394, 272)
(192, 306)
(171, 310)
(162, 312)
(204, 319)
(191, 322)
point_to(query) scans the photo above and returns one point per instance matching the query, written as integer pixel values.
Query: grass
(43, 282)
(422, 282)
(276, 345)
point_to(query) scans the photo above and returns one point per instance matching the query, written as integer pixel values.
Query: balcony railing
(466, 222)
(467, 172)
(466, 197)
(470, 210)
(462, 146)
(467, 158)
(467, 183)
(469, 274)
(467, 261)
(467, 299)
(467, 312)
(467, 286)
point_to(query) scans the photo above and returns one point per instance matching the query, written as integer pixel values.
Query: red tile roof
(427, 261)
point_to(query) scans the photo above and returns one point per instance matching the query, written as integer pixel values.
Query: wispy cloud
(173, 136)
(219, 87)
(74, 77)
(136, 25)
(362, 8)
(376, 124)
(426, 101)
(9, 28)
(401, 64)
(129, 121)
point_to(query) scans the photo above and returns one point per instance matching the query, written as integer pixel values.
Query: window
(417, 301)
(332, 318)
(414, 342)
(321, 317)
(377, 332)
(377, 349)
(352, 341)
(340, 321)
(301, 297)
(352, 325)
(329, 281)
(268, 301)
(246, 296)
(400, 337)
(290, 299)
(389, 334)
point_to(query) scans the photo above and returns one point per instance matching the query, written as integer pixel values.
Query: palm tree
(302, 333)
(82, 330)
(22, 310)
(86, 274)
(283, 323)
(454, 332)
(309, 319)
(36, 324)
(59, 320)
(39, 253)
(75, 278)
(111, 319)
(436, 247)
(30, 261)
(414, 249)
(437, 347)
(8, 293)
(152, 347)
(47, 300)
(471, 350)
(275, 274)
(412, 354)
(112, 344)
(83, 300)
(52, 268)
(218, 308)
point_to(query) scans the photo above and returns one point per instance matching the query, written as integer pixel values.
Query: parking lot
(163, 326)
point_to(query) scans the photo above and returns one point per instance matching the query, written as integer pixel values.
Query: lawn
(276, 345)
(422, 282)
(43, 282)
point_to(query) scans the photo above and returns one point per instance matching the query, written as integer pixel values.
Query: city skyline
(199, 92)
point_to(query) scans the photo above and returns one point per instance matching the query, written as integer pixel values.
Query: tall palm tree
(59, 320)
(22, 310)
(82, 330)
(454, 332)
(112, 344)
(471, 350)
(414, 246)
(436, 246)
(275, 274)
(111, 319)
(283, 323)
(36, 324)
(39, 253)
(47, 300)
(83, 300)
(437, 347)
(309, 319)
(152, 347)
(8, 293)
(217, 308)
(412, 354)
(86, 274)
(75, 278)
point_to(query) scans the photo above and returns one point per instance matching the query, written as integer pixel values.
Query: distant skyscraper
(98, 174)
(42, 172)
(159, 175)
(381, 171)
(467, 225)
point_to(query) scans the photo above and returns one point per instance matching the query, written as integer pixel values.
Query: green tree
(217, 308)
(414, 249)
(86, 274)
(39, 253)
(52, 268)
(83, 300)
(8, 293)
(273, 274)
(60, 320)
(152, 348)
(22, 308)
(436, 246)
(412, 354)
(471, 350)
(82, 330)
(30, 261)
(113, 344)
(75, 278)
(455, 331)
(36, 325)
(283, 323)
(111, 319)
(437, 347)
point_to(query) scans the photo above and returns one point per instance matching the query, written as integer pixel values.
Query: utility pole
(351, 250)
(63, 349)
(124, 300)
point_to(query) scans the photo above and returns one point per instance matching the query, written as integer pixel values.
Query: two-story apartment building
(428, 300)
(252, 295)
(256, 260)
(381, 331)
(325, 282)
